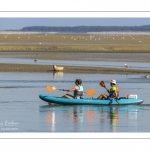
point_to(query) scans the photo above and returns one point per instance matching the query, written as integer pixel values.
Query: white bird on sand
(126, 65)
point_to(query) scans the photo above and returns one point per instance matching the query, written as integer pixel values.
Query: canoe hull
(66, 101)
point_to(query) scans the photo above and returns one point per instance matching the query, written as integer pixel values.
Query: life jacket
(80, 88)
(114, 89)
(117, 90)
(79, 92)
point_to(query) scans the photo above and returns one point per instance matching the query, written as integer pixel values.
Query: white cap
(113, 81)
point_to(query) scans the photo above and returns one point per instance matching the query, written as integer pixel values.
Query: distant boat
(57, 68)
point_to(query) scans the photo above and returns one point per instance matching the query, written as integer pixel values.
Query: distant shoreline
(82, 33)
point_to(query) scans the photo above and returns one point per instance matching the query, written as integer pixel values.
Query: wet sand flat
(71, 69)
(83, 47)
(107, 42)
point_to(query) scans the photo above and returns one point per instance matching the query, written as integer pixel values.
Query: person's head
(113, 82)
(78, 82)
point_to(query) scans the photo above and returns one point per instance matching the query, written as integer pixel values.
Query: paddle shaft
(52, 89)
(59, 89)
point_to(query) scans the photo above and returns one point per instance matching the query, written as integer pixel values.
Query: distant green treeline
(83, 29)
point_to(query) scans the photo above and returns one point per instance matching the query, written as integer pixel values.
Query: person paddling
(113, 92)
(78, 90)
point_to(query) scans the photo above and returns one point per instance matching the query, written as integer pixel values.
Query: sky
(19, 23)
(73, 13)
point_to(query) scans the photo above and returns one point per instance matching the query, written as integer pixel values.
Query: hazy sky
(19, 23)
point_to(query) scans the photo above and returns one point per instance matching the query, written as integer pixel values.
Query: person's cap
(113, 81)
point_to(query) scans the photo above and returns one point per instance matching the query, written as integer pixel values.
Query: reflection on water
(114, 118)
(58, 75)
(78, 118)
(91, 118)
(126, 75)
(50, 118)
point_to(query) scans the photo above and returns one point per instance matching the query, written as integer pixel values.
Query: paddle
(51, 89)
(102, 83)
(90, 92)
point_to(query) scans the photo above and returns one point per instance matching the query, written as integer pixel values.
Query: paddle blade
(102, 83)
(50, 88)
(91, 92)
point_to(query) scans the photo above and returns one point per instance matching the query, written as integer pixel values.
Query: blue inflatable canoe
(86, 101)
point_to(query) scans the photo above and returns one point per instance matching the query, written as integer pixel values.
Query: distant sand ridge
(75, 42)
(85, 47)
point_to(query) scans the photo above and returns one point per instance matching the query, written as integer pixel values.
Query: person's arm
(70, 90)
(115, 93)
(108, 90)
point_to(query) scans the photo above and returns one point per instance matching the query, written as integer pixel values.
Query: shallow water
(107, 64)
(21, 110)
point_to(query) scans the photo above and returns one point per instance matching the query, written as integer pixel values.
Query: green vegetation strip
(74, 43)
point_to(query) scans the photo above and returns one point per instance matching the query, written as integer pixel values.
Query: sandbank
(67, 69)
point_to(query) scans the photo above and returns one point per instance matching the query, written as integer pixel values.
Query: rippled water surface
(21, 110)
